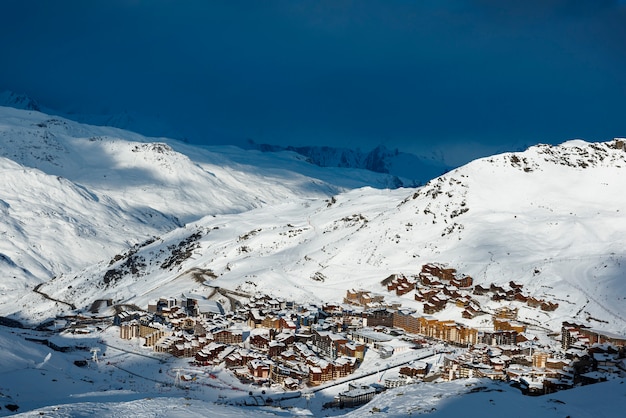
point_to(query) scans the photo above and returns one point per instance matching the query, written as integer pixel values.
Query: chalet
(286, 338)
(315, 375)
(276, 304)
(260, 341)
(548, 306)
(522, 337)
(498, 337)
(479, 290)
(497, 289)
(235, 359)
(288, 355)
(520, 297)
(438, 271)
(228, 336)
(301, 337)
(400, 284)
(319, 372)
(166, 344)
(556, 364)
(463, 282)
(210, 352)
(504, 325)
(287, 376)
(378, 317)
(451, 291)
(355, 396)
(463, 301)
(328, 342)
(271, 322)
(429, 280)
(290, 383)
(332, 309)
(592, 377)
(286, 323)
(255, 318)
(343, 366)
(415, 369)
(362, 298)
(434, 305)
(259, 369)
(182, 349)
(303, 351)
(497, 363)
(353, 349)
(237, 356)
(275, 348)
(425, 294)
(470, 312)
(506, 312)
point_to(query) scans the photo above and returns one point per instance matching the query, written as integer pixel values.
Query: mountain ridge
(317, 250)
(408, 170)
(95, 216)
(256, 225)
(75, 194)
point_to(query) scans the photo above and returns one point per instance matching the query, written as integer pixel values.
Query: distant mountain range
(409, 170)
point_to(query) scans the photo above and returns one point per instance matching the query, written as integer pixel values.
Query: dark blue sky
(468, 77)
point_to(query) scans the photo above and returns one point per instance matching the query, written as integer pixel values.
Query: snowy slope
(91, 213)
(43, 382)
(74, 195)
(444, 400)
(406, 169)
(548, 218)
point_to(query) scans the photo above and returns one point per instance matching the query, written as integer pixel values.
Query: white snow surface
(73, 195)
(78, 202)
(549, 218)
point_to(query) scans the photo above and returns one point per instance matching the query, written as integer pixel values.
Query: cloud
(413, 75)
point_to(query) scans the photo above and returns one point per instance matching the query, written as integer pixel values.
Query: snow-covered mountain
(75, 194)
(410, 170)
(89, 213)
(18, 101)
(549, 218)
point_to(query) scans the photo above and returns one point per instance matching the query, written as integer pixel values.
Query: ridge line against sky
(461, 78)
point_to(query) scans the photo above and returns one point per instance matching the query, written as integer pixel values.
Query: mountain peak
(408, 169)
(18, 101)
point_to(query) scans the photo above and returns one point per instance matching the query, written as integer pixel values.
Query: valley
(508, 268)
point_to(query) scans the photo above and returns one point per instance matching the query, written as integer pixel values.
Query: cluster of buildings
(272, 340)
(538, 371)
(503, 352)
(576, 336)
(267, 339)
